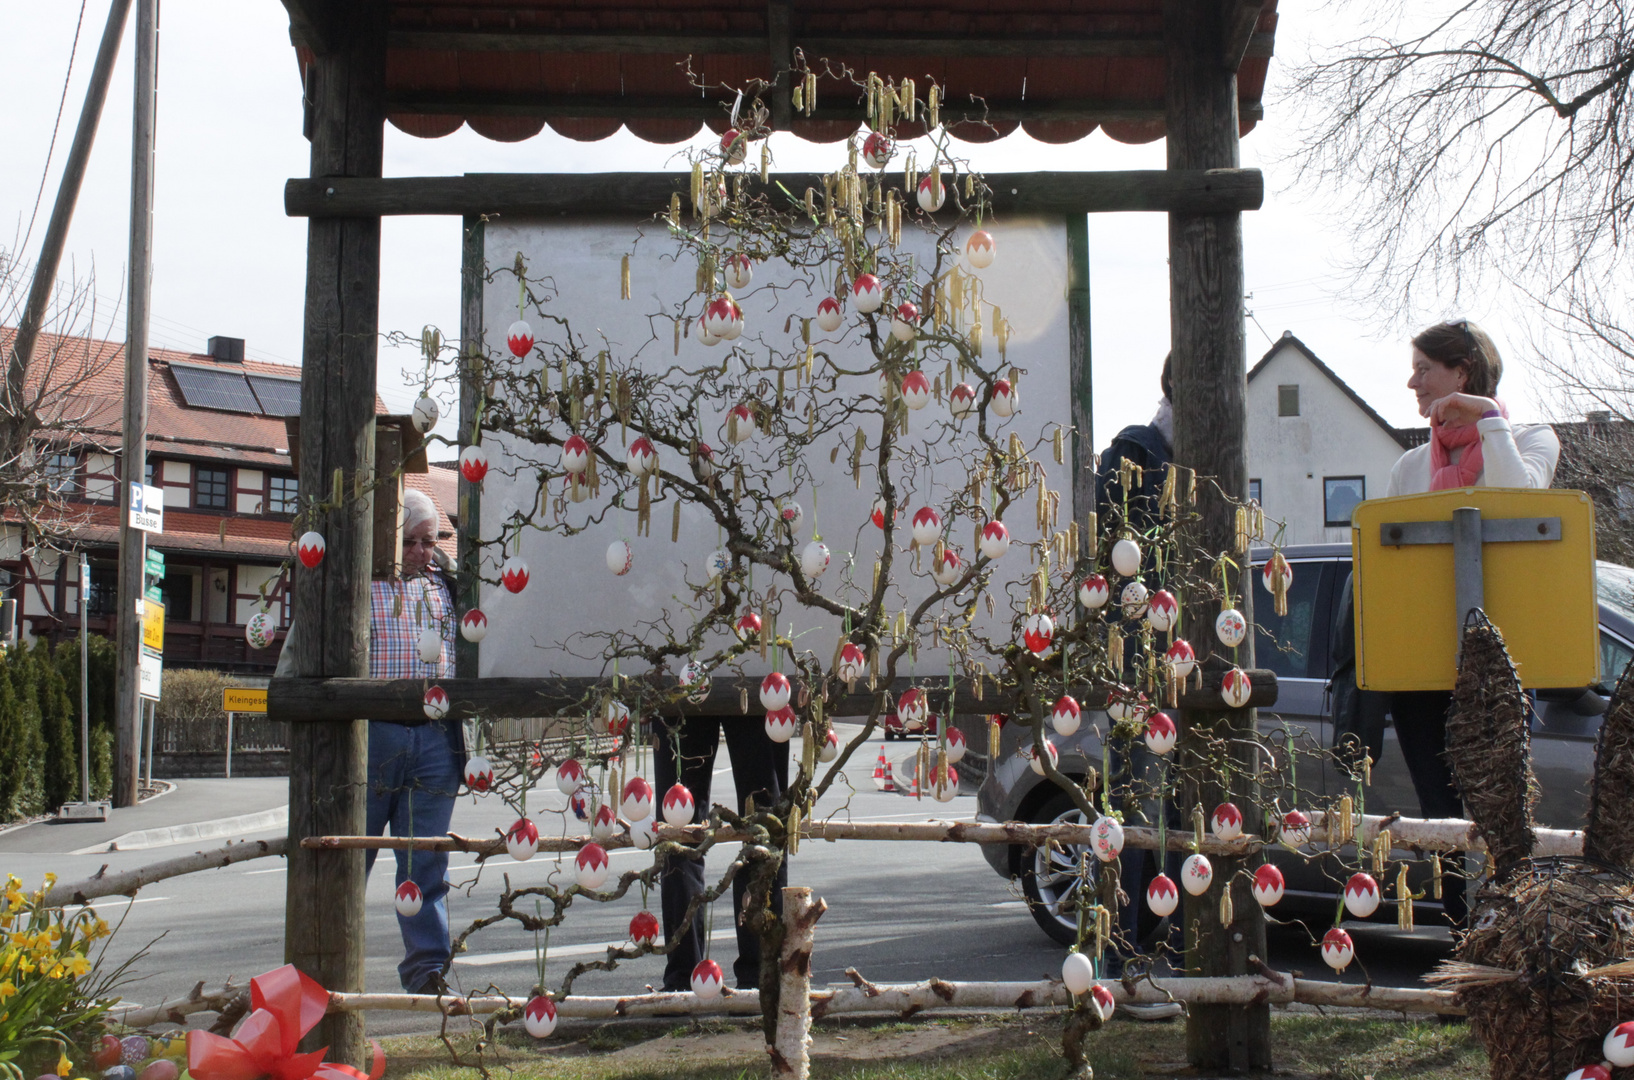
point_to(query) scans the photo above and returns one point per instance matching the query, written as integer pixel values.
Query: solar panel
(279, 397)
(207, 388)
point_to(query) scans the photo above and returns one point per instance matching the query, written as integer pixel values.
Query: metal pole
(84, 681)
(1468, 581)
(153, 724)
(230, 745)
(132, 542)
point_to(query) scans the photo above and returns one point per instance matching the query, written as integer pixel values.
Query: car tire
(1049, 879)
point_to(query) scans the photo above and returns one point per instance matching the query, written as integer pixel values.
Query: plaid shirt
(398, 611)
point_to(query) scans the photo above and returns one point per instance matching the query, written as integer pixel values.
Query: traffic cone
(915, 790)
(882, 772)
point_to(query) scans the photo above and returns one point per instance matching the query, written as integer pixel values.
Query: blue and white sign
(147, 508)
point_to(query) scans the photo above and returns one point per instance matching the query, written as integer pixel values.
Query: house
(1315, 448)
(218, 450)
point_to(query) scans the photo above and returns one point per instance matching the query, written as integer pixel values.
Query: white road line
(274, 870)
(119, 901)
(1008, 904)
(519, 955)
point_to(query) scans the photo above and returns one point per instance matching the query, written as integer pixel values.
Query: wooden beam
(1210, 435)
(328, 763)
(542, 194)
(780, 55)
(536, 103)
(472, 388)
(311, 24)
(529, 41)
(305, 701)
(1241, 17)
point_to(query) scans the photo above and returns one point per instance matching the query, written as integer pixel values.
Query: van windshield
(1615, 586)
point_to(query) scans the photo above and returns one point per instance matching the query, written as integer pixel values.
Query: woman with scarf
(1456, 369)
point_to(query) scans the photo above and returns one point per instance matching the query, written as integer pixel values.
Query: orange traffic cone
(882, 772)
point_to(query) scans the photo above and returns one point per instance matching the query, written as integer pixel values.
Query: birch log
(1433, 834)
(128, 881)
(177, 1010)
(791, 1052)
(907, 999)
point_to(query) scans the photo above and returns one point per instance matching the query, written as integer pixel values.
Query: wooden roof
(1056, 68)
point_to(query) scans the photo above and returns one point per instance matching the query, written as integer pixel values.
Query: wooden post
(1080, 366)
(791, 1053)
(323, 930)
(469, 524)
(1206, 315)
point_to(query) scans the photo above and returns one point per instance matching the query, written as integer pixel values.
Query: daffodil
(78, 964)
(64, 1066)
(7, 989)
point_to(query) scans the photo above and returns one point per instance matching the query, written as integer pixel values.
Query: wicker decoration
(1544, 969)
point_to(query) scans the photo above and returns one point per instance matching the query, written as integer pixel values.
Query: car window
(1285, 643)
(1615, 586)
(1614, 657)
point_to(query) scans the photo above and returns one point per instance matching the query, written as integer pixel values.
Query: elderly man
(415, 767)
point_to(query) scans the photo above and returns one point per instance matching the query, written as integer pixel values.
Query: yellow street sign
(1536, 584)
(153, 625)
(243, 699)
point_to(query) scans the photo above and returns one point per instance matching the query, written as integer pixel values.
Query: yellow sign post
(243, 699)
(1525, 557)
(153, 625)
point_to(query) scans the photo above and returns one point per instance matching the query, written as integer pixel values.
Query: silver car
(1299, 648)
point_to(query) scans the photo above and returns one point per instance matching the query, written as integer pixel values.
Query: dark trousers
(759, 769)
(1420, 719)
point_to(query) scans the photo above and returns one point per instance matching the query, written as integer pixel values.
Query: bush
(193, 696)
(39, 725)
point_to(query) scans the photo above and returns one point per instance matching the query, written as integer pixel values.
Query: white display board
(549, 628)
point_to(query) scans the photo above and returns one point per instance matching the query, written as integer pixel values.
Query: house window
(177, 588)
(103, 597)
(1254, 492)
(147, 473)
(1340, 494)
(61, 474)
(1288, 400)
(210, 489)
(282, 492)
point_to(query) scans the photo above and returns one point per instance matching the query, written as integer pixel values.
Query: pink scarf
(1443, 440)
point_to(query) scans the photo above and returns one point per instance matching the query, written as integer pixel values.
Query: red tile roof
(508, 67)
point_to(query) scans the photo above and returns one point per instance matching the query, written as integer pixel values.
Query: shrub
(194, 696)
(50, 991)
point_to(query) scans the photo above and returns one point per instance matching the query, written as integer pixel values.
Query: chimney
(1598, 416)
(229, 350)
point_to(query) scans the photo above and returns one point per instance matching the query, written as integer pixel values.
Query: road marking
(1009, 904)
(118, 901)
(519, 955)
(274, 870)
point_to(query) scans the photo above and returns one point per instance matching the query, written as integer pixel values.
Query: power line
(56, 126)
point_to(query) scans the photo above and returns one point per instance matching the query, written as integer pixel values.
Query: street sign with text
(147, 508)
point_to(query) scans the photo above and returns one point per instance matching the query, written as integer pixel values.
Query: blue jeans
(414, 775)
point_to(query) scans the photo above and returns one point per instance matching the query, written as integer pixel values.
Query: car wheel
(1050, 882)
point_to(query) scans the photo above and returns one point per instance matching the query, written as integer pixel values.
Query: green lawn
(1306, 1046)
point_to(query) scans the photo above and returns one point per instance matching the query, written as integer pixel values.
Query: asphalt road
(897, 911)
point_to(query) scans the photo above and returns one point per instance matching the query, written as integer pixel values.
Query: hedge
(39, 725)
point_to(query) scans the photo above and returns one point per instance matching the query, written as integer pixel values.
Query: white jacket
(1521, 457)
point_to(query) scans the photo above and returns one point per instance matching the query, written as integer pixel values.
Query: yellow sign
(243, 699)
(153, 625)
(1537, 582)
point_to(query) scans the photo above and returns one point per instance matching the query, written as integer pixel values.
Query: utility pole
(133, 437)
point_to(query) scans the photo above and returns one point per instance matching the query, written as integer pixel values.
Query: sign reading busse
(147, 508)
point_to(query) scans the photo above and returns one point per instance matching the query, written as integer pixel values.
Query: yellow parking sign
(1533, 575)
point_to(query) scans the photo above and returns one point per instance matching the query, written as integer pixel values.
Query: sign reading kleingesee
(243, 699)
(147, 508)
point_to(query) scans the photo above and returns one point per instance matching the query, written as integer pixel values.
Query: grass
(1306, 1047)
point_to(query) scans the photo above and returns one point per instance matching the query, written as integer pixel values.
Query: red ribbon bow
(287, 1005)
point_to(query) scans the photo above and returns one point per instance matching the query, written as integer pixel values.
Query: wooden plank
(468, 526)
(540, 194)
(1241, 17)
(1080, 366)
(780, 56)
(1064, 47)
(1210, 435)
(307, 700)
(387, 546)
(323, 929)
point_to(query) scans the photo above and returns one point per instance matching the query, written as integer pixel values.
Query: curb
(262, 821)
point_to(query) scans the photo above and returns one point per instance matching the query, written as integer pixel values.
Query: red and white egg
(829, 314)
(1094, 592)
(435, 703)
(878, 149)
(644, 833)
(1038, 632)
(980, 249)
(1337, 949)
(1295, 828)
(962, 400)
(1066, 715)
(636, 800)
(931, 193)
(944, 782)
(519, 338)
(642, 457)
(814, 559)
(1160, 734)
(915, 387)
(740, 271)
(1162, 896)
(1162, 610)
(539, 1018)
(1273, 569)
(309, 548)
(1618, 1046)
(615, 717)
(479, 774)
(1362, 895)
(1105, 1004)
(474, 626)
(853, 662)
(948, 568)
(1006, 398)
(604, 823)
(474, 463)
(867, 294)
(927, 526)
(1235, 688)
(591, 866)
(830, 748)
(408, 900)
(644, 927)
(575, 454)
(678, 807)
(708, 980)
(913, 707)
(995, 539)
(570, 776)
(956, 744)
(905, 327)
(705, 464)
(522, 839)
(1268, 885)
(1050, 752)
(781, 724)
(723, 317)
(747, 626)
(1590, 1072)
(775, 691)
(740, 424)
(1181, 658)
(1226, 822)
(734, 146)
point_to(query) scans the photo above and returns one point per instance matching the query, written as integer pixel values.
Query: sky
(227, 261)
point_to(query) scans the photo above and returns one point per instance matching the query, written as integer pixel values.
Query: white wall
(1290, 455)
